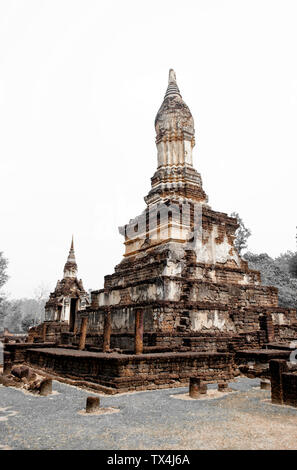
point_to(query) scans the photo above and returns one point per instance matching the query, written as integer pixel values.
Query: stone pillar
(266, 323)
(44, 328)
(223, 387)
(83, 333)
(107, 331)
(93, 404)
(197, 387)
(194, 387)
(269, 328)
(46, 387)
(277, 367)
(138, 332)
(265, 385)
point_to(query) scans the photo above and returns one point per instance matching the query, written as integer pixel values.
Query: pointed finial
(71, 256)
(172, 85)
(70, 268)
(172, 76)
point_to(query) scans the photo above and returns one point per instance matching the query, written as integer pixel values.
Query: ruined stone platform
(116, 372)
(125, 372)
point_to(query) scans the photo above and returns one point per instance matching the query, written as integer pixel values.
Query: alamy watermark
(293, 355)
(167, 221)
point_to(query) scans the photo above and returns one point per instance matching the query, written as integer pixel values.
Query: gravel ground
(147, 420)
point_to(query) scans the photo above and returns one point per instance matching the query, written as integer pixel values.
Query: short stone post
(203, 388)
(277, 367)
(46, 387)
(107, 331)
(197, 387)
(139, 332)
(83, 333)
(194, 387)
(223, 387)
(265, 385)
(269, 328)
(93, 404)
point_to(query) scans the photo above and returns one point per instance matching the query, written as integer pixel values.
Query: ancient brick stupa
(181, 305)
(181, 280)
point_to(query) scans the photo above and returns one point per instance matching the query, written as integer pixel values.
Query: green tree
(275, 273)
(242, 234)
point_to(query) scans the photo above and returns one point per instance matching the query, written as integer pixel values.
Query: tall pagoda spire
(175, 134)
(172, 88)
(175, 178)
(70, 268)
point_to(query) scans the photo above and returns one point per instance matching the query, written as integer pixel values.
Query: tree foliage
(3, 279)
(20, 314)
(293, 265)
(275, 272)
(3, 267)
(242, 234)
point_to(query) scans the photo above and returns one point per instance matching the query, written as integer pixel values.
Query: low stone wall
(132, 372)
(16, 353)
(124, 372)
(261, 356)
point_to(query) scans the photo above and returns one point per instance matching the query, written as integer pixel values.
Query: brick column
(44, 328)
(83, 333)
(107, 331)
(139, 332)
(266, 323)
(277, 367)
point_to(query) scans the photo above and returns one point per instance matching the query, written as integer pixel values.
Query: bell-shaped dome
(174, 119)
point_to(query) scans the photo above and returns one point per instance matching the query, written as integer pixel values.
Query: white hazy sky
(80, 85)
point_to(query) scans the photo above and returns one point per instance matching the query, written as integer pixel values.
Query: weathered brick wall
(180, 294)
(124, 341)
(225, 343)
(17, 353)
(47, 331)
(285, 333)
(125, 372)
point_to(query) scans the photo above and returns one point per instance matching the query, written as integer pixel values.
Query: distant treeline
(280, 272)
(18, 315)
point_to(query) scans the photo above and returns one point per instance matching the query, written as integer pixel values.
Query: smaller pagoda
(69, 295)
